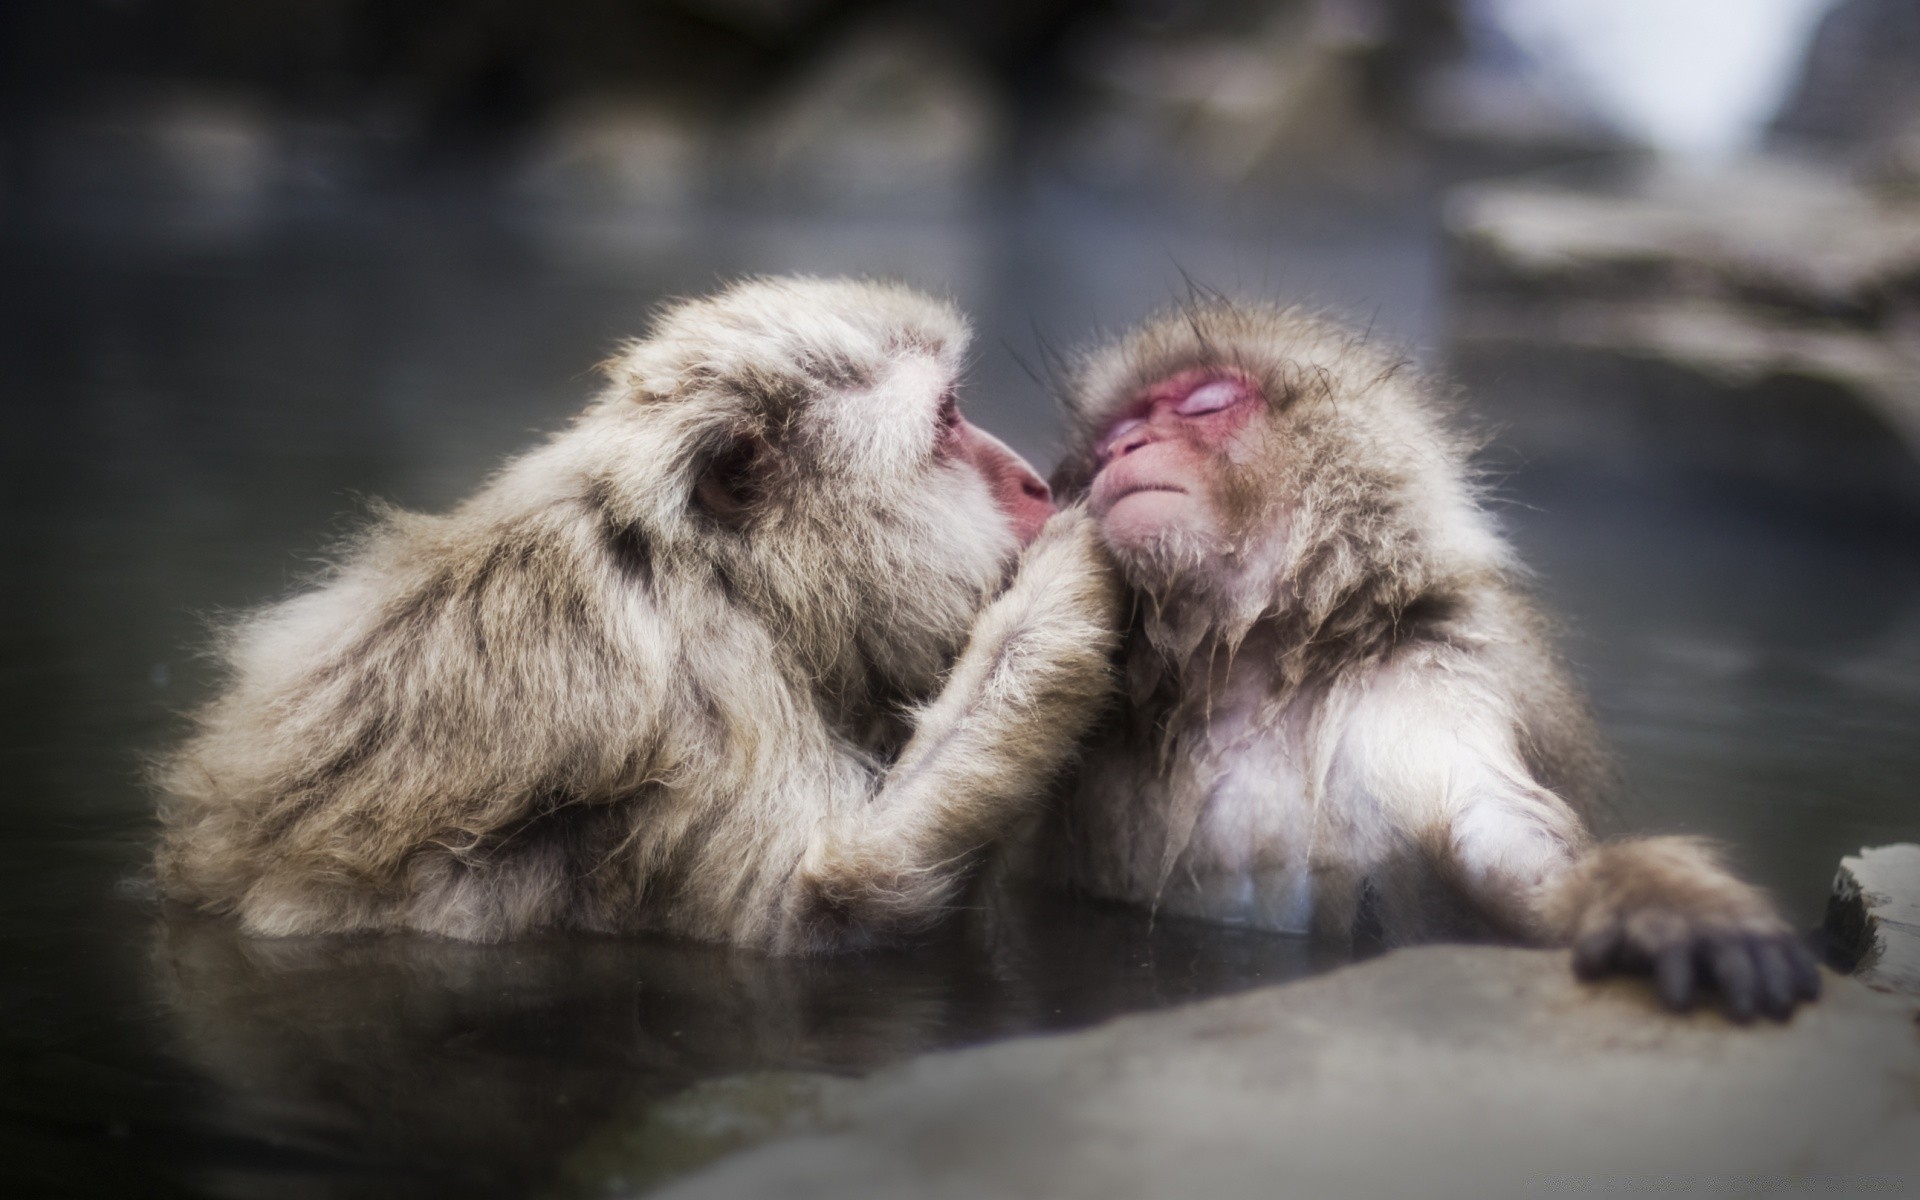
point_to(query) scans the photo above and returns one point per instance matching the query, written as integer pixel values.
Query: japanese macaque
(742, 655)
(1342, 715)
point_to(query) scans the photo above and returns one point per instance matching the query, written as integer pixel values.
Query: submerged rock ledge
(1454, 1070)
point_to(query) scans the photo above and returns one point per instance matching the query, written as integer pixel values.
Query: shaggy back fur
(583, 698)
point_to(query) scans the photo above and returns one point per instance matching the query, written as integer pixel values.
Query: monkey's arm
(1441, 749)
(1033, 676)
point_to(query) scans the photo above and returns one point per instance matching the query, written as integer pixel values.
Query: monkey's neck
(1180, 676)
(1175, 692)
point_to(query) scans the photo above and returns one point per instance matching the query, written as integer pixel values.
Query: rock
(1178, 109)
(1456, 1070)
(893, 118)
(1759, 322)
(619, 153)
(1768, 233)
(1859, 86)
(1873, 916)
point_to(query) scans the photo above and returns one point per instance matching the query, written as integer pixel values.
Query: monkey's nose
(1128, 442)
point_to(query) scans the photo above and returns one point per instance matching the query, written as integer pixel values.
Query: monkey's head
(795, 447)
(1248, 462)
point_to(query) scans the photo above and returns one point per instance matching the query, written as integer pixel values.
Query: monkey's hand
(1666, 907)
(1034, 674)
(1069, 572)
(1032, 679)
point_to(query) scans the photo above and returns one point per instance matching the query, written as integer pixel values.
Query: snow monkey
(1342, 716)
(742, 655)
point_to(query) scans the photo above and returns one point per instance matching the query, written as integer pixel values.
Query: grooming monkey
(734, 657)
(1342, 714)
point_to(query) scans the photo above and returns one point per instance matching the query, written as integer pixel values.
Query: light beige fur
(582, 700)
(1343, 714)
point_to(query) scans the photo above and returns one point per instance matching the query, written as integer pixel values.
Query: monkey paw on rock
(1665, 907)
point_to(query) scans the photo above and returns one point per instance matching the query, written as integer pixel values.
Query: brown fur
(1344, 715)
(713, 661)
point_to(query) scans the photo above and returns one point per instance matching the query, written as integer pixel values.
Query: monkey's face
(799, 446)
(1246, 460)
(877, 519)
(1159, 462)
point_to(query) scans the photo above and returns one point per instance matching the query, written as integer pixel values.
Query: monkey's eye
(730, 486)
(1210, 397)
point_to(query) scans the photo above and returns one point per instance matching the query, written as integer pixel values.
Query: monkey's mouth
(1106, 501)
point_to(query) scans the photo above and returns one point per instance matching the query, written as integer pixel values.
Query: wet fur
(580, 700)
(1343, 713)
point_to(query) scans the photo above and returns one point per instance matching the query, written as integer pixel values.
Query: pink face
(1019, 492)
(1155, 461)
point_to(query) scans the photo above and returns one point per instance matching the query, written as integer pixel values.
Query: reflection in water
(410, 1062)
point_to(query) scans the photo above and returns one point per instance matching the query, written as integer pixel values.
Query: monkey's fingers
(1764, 973)
(1673, 970)
(1788, 973)
(1596, 950)
(1776, 979)
(1806, 970)
(1730, 963)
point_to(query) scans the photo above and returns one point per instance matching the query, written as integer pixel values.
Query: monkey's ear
(732, 483)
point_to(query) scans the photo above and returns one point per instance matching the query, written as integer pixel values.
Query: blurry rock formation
(893, 115)
(619, 153)
(1490, 102)
(1859, 97)
(1760, 321)
(1223, 94)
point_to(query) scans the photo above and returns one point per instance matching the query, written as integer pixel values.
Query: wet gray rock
(1762, 321)
(1873, 916)
(1455, 1070)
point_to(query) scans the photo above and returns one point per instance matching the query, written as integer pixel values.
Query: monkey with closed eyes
(751, 653)
(1341, 713)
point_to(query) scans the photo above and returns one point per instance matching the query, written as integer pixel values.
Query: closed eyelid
(1210, 397)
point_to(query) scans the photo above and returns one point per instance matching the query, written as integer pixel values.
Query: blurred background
(259, 262)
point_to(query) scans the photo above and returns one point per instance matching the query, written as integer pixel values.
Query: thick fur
(580, 699)
(1343, 715)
